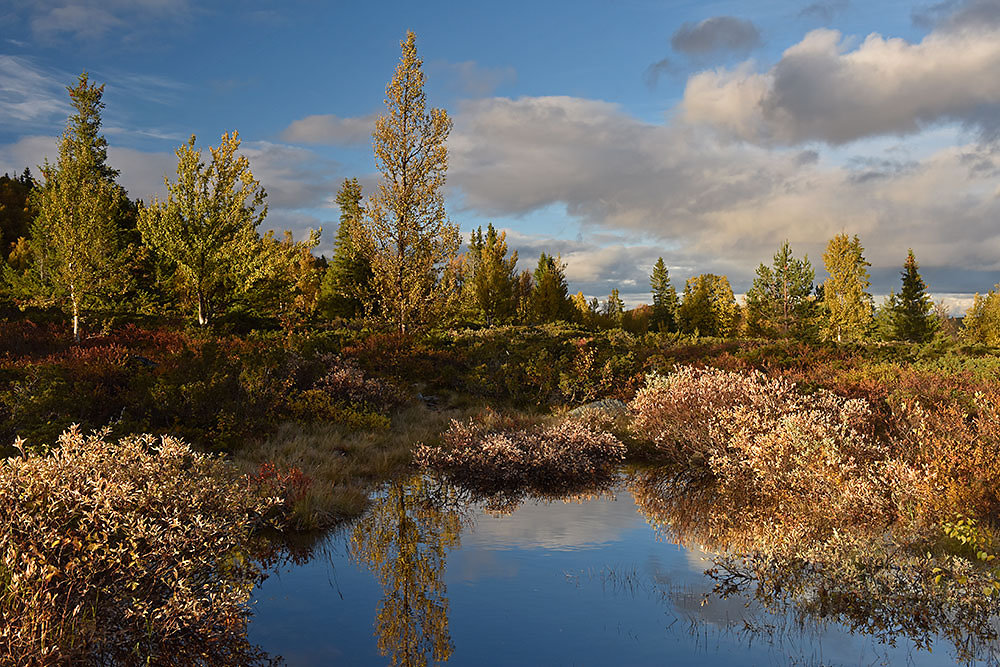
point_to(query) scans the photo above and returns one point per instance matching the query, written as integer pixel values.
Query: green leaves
(208, 225)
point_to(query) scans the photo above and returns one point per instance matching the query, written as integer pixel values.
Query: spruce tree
(75, 245)
(845, 293)
(346, 286)
(664, 298)
(912, 309)
(493, 275)
(550, 298)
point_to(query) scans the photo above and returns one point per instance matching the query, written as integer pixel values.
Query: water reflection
(584, 580)
(404, 540)
(867, 579)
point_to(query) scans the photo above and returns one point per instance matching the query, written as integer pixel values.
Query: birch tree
(76, 247)
(845, 292)
(208, 225)
(405, 233)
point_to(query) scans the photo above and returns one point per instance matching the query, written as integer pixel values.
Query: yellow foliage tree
(405, 232)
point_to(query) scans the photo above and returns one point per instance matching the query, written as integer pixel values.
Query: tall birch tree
(405, 233)
(75, 237)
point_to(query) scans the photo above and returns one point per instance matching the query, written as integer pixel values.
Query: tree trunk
(76, 319)
(202, 319)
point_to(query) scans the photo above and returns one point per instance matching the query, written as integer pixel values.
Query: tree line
(73, 239)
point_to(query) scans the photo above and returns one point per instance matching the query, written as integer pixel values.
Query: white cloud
(330, 129)
(716, 206)
(823, 89)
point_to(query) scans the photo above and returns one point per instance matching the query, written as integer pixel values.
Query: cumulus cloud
(822, 89)
(293, 177)
(719, 33)
(330, 130)
(707, 204)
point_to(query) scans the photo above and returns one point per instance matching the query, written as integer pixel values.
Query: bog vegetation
(173, 383)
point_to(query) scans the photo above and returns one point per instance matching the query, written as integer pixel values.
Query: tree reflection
(867, 578)
(403, 540)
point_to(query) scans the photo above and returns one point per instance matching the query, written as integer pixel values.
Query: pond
(429, 575)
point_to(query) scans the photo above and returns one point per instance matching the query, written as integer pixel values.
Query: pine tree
(550, 298)
(664, 298)
(208, 225)
(845, 293)
(493, 275)
(912, 310)
(346, 286)
(405, 234)
(75, 245)
(779, 302)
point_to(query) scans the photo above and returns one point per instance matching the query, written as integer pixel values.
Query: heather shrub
(491, 458)
(127, 552)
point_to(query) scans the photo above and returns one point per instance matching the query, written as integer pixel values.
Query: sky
(610, 132)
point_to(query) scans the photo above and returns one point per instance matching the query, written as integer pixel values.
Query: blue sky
(611, 132)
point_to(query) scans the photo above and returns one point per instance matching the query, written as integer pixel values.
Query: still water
(426, 577)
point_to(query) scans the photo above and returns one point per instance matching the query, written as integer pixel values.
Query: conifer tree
(406, 235)
(912, 309)
(550, 300)
(664, 298)
(779, 302)
(208, 225)
(346, 286)
(493, 275)
(845, 293)
(75, 245)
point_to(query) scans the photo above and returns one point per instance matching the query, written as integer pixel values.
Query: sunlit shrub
(487, 458)
(811, 461)
(129, 551)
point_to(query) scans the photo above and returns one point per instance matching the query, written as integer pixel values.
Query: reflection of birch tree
(403, 540)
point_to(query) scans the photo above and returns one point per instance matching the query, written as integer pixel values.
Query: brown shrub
(564, 456)
(813, 463)
(126, 551)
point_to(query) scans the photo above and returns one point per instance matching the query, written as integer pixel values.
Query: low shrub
(563, 456)
(127, 552)
(346, 382)
(812, 463)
